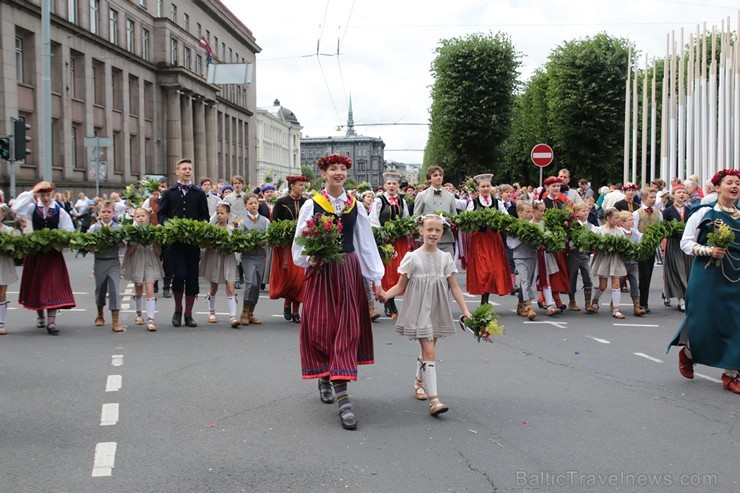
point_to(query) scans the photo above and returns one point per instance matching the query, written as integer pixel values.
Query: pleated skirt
(286, 278)
(142, 265)
(488, 268)
(45, 282)
(218, 267)
(676, 269)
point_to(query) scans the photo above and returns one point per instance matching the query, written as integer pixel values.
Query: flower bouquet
(722, 237)
(322, 240)
(483, 324)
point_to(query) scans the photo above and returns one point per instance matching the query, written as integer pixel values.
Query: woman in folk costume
(488, 268)
(555, 200)
(387, 207)
(8, 274)
(710, 333)
(677, 264)
(336, 333)
(286, 278)
(45, 280)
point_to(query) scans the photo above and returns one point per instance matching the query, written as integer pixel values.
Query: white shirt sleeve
(691, 231)
(636, 217)
(297, 250)
(502, 207)
(65, 222)
(461, 204)
(23, 205)
(367, 251)
(375, 213)
(470, 207)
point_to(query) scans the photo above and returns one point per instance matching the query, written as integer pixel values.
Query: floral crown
(630, 186)
(420, 219)
(552, 179)
(330, 159)
(295, 178)
(717, 178)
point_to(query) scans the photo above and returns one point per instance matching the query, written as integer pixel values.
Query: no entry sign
(542, 155)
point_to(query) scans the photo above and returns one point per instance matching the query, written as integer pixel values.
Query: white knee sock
(232, 305)
(3, 313)
(597, 294)
(212, 303)
(151, 306)
(137, 304)
(430, 378)
(731, 373)
(616, 295)
(549, 300)
(687, 351)
(419, 364)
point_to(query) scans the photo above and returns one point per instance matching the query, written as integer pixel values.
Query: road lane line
(125, 306)
(105, 459)
(705, 377)
(117, 360)
(635, 325)
(643, 355)
(114, 383)
(602, 341)
(109, 414)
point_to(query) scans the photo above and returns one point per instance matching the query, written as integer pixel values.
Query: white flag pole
(634, 129)
(653, 121)
(681, 113)
(712, 164)
(627, 95)
(663, 173)
(721, 100)
(690, 135)
(672, 108)
(736, 140)
(704, 107)
(696, 165)
(645, 110)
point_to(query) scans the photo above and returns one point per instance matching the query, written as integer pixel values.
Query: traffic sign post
(98, 144)
(542, 157)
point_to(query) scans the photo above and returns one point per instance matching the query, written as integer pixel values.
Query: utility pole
(45, 113)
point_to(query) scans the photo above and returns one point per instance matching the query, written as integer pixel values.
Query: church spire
(350, 119)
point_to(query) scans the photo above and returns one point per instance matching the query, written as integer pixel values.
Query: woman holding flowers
(710, 334)
(45, 280)
(336, 333)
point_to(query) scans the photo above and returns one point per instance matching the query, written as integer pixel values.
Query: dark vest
(40, 221)
(389, 212)
(348, 225)
(287, 208)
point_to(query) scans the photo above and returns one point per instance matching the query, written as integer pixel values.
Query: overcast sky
(387, 47)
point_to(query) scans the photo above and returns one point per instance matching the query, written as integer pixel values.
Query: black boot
(484, 299)
(394, 308)
(177, 319)
(388, 309)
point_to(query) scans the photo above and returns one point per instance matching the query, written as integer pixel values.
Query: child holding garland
(253, 261)
(607, 265)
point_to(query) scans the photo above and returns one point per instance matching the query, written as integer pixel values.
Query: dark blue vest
(389, 212)
(40, 221)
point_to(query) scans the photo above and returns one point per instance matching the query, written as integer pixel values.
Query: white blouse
(487, 203)
(364, 242)
(24, 207)
(691, 233)
(375, 211)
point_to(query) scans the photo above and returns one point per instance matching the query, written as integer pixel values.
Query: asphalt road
(571, 403)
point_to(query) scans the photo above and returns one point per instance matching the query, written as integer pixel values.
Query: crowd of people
(339, 298)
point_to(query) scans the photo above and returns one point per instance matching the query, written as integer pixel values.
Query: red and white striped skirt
(45, 282)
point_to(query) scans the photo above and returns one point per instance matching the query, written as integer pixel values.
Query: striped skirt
(45, 282)
(336, 332)
(676, 269)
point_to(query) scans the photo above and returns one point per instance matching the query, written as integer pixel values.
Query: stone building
(366, 153)
(278, 143)
(133, 71)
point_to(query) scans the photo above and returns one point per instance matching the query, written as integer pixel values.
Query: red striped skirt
(559, 281)
(390, 279)
(488, 268)
(336, 331)
(45, 282)
(286, 278)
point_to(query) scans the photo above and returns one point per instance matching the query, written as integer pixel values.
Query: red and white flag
(209, 52)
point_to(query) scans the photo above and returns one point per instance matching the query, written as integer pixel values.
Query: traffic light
(5, 148)
(20, 139)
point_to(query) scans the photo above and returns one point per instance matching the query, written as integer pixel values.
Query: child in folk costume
(45, 280)
(525, 263)
(141, 266)
(677, 265)
(286, 278)
(608, 265)
(220, 268)
(368, 200)
(554, 199)
(107, 269)
(429, 274)
(336, 331)
(547, 267)
(266, 205)
(488, 266)
(8, 275)
(580, 261)
(388, 207)
(253, 261)
(644, 217)
(627, 223)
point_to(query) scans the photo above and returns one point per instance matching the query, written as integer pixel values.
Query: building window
(231, 56)
(75, 131)
(142, 3)
(200, 32)
(113, 27)
(186, 58)
(208, 36)
(72, 80)
(72, 11)
(94, 16)
(117, 89)
(130, 32)
(19, 59)
(223, 49)
(159, 8)
(198, 65)
(133, 95)
(186, 22)
(173, 13)
(173, 52)
(215, 45)
(145, 44)
(148, 100)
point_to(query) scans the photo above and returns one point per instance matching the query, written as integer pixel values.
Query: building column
(187, 127)
(174, 135)
(211, 142)
(199, 120)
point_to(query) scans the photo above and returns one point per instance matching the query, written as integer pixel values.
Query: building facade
(278, 146)
(135, 72)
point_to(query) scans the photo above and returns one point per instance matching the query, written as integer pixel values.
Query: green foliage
(472, 99)
(484, 323)
(280, 233)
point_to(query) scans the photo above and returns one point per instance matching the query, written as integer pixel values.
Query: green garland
(280, 233)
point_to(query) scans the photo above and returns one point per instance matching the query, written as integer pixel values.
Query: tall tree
(472, 99)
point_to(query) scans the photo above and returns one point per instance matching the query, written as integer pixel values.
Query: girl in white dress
(427, 276)
(220, 268)
(8, 275)
(141, 266)
(608, 265)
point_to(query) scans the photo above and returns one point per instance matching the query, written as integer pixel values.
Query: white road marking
(129, 291)
(643, 355)
(114, 383)
(559, 325)
(635, 325)
(109, 414)
(105, 459)
(602, 341)
(125, 306)
(77, 310)
(219, 313)
(117, 360)
(705, 377)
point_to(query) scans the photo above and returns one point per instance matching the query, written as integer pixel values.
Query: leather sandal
(419, 391)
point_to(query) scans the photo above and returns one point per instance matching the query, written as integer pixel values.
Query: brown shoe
(638, 310)
(419, 391)
(572, 305)
(731, 383)
(114, 321)
(617, 314)
(3, 332)
(531, 314)
(436, 407)
(99, 320)
(244, 318)
(373, 314)
(552, 310)
(252, 319)
(685, 364)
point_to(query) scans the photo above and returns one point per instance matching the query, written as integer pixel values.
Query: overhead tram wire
(340, 41)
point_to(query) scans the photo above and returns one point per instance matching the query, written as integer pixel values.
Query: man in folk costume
(388, 207)
(646, 216)
(628, 203)
(554, 199)
(45, 280)
(488, 267)
(265, 209)
(436, 199)
(336, 331)
(184, 200)
(286, 278)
